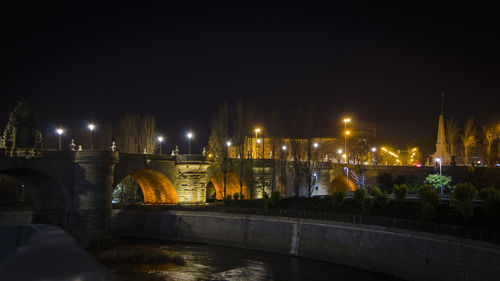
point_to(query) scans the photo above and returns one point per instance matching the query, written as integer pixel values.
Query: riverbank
(404, 254)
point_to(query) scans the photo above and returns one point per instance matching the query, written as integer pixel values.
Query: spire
(441, 138)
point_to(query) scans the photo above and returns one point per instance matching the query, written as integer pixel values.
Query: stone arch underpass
(232, 185)
(156, 187)
(51, 201)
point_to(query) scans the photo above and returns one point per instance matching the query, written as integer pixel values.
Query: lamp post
(346, 132)
(374, 149)
(91, 128)
(440, 174)
(160, 140)
(339, 151)
(189, 136)
(316, 183)
(59, 131)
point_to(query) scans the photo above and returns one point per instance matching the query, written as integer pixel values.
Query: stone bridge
(74, 188)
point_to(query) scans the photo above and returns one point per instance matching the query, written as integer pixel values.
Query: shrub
(242, 196)
(338, 198)
(366, 205)
(236, 196)
(227, 200)
(434, 180)
(413, 182)
(272, 201)
(463, 198)
(429, 201)
(382, 199)
(400, 192)
(491, 202)
(359, 195)
(374, 191)
(385, 182)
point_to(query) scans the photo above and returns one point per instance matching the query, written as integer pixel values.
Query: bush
(272, 201)
(400, 192)
(385, 182)
(338, 198)
(366, 205)
(491, 202)
(463, 198)
(374, 191)
(242, 196)
(236, 196)
(227, 200)
(413, 182)
(429, 201)
(359, 195)
(382, 199)
(434, 180)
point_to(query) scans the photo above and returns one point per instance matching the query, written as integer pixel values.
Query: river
(205, 262)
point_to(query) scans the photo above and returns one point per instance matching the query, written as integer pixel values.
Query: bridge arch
(232, 185)
(340, 183)
(156, 187)
(51, 201)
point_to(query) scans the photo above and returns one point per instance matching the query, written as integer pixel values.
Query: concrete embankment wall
(404, 254)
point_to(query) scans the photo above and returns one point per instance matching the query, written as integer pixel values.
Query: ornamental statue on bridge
(21, 137)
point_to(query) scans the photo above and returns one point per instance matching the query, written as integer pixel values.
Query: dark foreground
(164, 260)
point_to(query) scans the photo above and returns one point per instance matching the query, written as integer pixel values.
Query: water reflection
(204, 262)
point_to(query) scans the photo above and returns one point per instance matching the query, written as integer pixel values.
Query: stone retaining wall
(404, 254)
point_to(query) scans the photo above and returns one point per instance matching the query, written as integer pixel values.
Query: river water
(206, 262)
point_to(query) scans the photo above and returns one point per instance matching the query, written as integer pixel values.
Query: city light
(258, 141)
(228, 143)
(374, 149)
(283, 147)
(347, 120)
(160, 140)
(189, 136)
(315, 145)
(91, 128)
(339, 151)
(59, 131)
(347, 132)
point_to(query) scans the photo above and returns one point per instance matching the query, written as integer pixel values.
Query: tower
(441, 151)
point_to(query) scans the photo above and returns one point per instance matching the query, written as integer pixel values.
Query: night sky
(385, 64)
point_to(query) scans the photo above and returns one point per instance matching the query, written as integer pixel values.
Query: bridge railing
(413, 225)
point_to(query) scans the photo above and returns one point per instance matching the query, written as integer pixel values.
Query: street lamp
(257, 141)
(228, 143)
(316, 183)
(59, 131)
(346, 120)
(160, 140)
(440, 174)
(374, 149)
(91, 128)
(189, 136)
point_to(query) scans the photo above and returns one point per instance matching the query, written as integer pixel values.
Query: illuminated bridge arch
(232, 185)
(156, 187)
(340, 183)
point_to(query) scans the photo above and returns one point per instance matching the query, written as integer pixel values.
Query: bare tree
(241, 125)
(469, 138)
(217, 142)
(452, 131)
(135, 133)
(490, 134)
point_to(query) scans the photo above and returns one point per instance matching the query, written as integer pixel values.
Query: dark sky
(386, 64)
